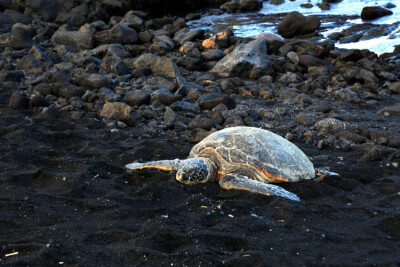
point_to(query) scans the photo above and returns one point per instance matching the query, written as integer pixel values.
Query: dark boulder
(164, 66)
(18, 100)
(68, 90)
(44, 89)
(308, 61)
(243, 59)
(21, 36)
(242, 5)
(218, 41)
(186, 35)
(144, 61)
(201, 122)
(209, 101)
(12, 75)
(395, 87)
(113, 6)
(137, 98)
(390, 5)
(295, 24)
(30, 65)
(118, 34)
(114, 64)
(374, 12)
(157, 7)
(16, 17)
(48, 10)
(4, 4)
(213, 54)
(39, 101)
(165, 96)
(76, 39)
(70, 19)
(93, 81)
(119, 111)
(351, 55)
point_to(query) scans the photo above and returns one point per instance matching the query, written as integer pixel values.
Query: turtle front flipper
(241, 182)
(165, 165)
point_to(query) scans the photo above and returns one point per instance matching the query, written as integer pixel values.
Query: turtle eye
(183, 177)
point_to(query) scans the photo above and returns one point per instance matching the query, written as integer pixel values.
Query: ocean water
(251, 24)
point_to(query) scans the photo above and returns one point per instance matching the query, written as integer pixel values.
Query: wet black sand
(66, 198)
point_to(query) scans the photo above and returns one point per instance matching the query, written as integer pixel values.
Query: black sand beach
(67, 199)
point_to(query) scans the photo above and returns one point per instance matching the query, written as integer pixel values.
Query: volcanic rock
(30, 64)
(43, 88)
(119, 111)
(308, 61)
(242, 5)
(218, 41)
(89, 96)
(395, 87)
(114, 64)
(164, 66)
(165, 96)
(132, 21)
(242, 59)
(295, 24)
(212, 55)
(46, 9)
(374, 12)
(12, 75)
(390, 111)
(76, 39)
(186, 35)
(201, 122)
(144, 61)
(332, 124)
(185, 106)
(19, 100)
(169, 117)
(137, 98)
(21, 36)
(94, 80)
(13, 16)
(145, 37)
(108, 95)
(118, 34)
(347, 95)
(70, 19)
(190, 49)
(38, 100)
(68, 90)
(209, 101)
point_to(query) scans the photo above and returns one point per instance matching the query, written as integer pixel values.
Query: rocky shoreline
(86, 88)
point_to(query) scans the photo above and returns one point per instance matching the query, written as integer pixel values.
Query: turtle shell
(265, 152)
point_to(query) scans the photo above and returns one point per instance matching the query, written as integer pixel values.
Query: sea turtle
(245, 158)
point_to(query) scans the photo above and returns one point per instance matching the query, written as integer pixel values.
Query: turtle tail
(165, 165)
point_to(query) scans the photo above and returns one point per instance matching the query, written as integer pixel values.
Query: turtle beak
(179, 177)
(184, 179)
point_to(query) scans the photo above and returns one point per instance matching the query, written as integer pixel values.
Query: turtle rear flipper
(241, 182)
(320, 172)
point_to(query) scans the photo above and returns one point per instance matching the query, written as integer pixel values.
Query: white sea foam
(247, 25)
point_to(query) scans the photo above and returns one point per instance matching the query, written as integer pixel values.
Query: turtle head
(195, 170)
